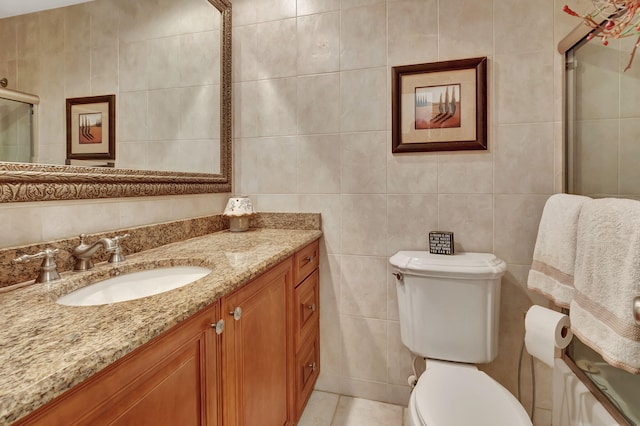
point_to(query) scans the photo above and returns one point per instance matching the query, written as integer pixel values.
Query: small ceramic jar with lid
(239, 210)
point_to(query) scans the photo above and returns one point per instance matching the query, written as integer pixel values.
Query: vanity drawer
(305, 261)
(306, 302)
(307, 371)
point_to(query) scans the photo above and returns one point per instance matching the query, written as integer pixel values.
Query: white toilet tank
(449, 305)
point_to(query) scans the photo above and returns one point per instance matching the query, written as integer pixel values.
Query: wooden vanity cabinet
(270, 346)
(257, 351)
(172, 380)
(259, 372)
(306, 325)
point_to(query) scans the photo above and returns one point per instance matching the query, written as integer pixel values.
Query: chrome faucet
(48, 269)
(84, 252)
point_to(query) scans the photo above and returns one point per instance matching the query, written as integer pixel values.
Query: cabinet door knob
(236, 313)
(312, 307)
(309, 259)
(312, 366)
(219, 326)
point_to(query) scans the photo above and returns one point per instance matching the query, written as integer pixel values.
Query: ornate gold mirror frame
(37, 182)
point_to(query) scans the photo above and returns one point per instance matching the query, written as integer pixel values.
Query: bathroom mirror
(48, 180)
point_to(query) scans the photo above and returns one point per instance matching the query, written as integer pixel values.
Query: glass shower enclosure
(18, 124)
(602, 147)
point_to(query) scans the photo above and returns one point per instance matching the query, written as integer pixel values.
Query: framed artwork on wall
(439, 106)
(91, 125)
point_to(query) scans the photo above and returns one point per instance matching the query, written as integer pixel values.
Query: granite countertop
(48, 348)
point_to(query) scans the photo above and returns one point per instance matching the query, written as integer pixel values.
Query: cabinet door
(172, 380)
(256, 351)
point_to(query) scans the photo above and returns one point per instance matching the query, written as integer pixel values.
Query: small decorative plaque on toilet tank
(441, 242)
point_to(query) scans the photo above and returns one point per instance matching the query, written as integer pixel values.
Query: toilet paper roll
(546, 330)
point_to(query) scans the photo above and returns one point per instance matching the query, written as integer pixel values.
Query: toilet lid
(449, 394)
(460, 265)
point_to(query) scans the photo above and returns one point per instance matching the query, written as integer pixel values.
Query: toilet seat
(450, 394)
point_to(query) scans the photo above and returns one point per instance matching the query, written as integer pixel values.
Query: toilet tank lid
(465, 264)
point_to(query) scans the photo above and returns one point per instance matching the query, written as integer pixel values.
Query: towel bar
(636, 309)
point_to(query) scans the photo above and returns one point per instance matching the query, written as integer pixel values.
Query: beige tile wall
(292, 154)
(317, 75)
(35, 222)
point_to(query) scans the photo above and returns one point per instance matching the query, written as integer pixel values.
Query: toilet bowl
(453, 394)
(449, 310)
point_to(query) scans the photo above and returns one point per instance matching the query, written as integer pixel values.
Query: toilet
(449, 309)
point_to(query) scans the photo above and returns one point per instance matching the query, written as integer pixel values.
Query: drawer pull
(236, 313)
(312, 366)
(312, 307)
(309, 259)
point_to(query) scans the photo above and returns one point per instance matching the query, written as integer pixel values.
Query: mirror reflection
(161, 60)
(16, 126)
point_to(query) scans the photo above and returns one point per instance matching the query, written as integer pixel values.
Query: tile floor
(330, 409)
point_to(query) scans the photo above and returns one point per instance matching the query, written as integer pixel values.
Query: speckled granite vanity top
(48, 348)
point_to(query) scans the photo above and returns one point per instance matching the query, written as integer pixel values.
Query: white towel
(554, 254)
(607, 278)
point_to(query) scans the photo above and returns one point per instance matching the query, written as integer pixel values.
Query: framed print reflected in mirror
(91, 125)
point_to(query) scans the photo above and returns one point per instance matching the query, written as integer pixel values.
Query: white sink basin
(134, 285)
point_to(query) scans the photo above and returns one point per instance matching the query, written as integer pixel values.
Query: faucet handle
(117, 238)
(46, 253)
(48, 268)
(116, 253)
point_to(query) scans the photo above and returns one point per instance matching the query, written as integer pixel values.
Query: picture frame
(91, 128)
(439, 106)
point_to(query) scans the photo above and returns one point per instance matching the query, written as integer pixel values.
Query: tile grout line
(335, 410)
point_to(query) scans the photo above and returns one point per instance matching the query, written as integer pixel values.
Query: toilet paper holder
(636, 310)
